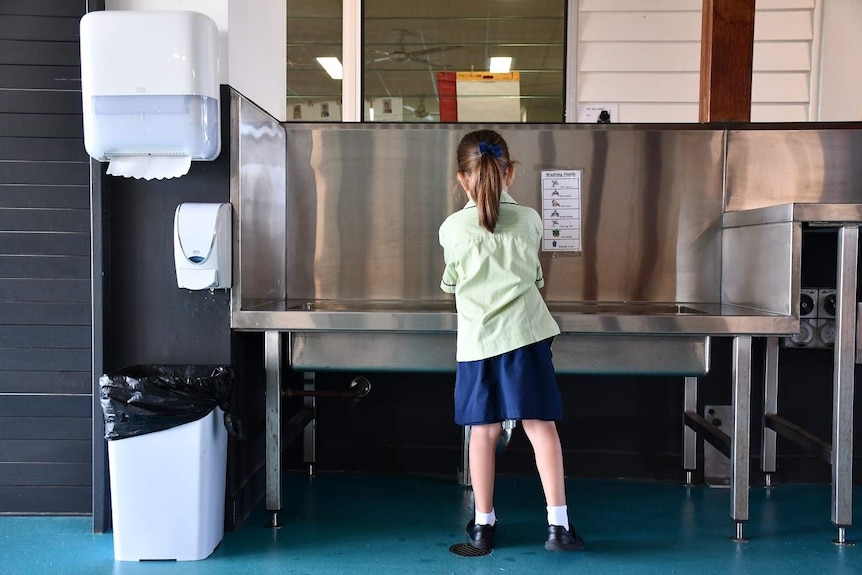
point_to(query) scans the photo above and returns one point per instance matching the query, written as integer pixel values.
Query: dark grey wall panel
(52, 500)
(45, 359)
(43, 149)
(28, 53)
(65, 244)
(28, 27)
(45, 313)
(46, 399)
(30, 428)
(43, 336)
(51, 450)
(38, 102)
(17, 266)
(42, 382)
(45, 474)
(42, 8)
(48, 219)
(47, 290)
(31, 196)
(41, 125)
(44, 406)
(40, 77)
(53, 173)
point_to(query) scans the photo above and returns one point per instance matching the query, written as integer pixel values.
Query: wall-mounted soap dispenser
(202, 245)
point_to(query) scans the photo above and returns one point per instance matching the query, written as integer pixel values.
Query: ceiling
(407, 43)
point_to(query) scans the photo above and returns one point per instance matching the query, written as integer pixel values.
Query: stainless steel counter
(572, 317)
(823, 214)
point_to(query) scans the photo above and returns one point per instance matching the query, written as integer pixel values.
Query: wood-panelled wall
(45, 316)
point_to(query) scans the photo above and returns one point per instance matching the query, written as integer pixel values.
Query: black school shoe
(481, 536)
(562, 539)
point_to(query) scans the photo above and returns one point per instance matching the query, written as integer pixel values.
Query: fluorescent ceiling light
(501, 64)
(332, 67)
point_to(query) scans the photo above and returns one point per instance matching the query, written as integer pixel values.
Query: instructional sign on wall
(561, 210)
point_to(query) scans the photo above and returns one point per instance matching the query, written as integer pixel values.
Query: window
(430, 61)
(313, 40)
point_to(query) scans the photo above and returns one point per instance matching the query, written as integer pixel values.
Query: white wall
(258, 51)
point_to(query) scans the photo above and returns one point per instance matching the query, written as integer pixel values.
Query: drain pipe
(508, 426)
(506, 435)
(359, 388)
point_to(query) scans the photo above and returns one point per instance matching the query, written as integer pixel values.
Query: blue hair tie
(493, 149)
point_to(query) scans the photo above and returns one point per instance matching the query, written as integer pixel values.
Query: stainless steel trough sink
(439, 316)
(603, 308)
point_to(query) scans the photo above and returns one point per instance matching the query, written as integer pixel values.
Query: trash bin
(167, 428)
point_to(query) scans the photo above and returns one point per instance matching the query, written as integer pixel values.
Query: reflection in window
(314, 60)
(431, 61)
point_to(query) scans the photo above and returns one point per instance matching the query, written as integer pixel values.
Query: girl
(504, 334)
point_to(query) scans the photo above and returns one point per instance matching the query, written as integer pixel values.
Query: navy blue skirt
(519, 384)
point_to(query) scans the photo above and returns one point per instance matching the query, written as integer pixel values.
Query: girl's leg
(549, 459)
(483, 454)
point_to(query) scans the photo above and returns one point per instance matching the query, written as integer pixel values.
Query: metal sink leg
(309, 436)
(770, 407)
(689, 435)
(740, 441)
(273, 366)
(740, 537)
(843, 378)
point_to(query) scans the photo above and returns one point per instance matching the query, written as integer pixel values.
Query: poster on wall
(479, 96)
(326, 111)
(561, 210)
(388, 109)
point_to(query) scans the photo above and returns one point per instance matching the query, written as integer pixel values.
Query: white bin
(168, 491)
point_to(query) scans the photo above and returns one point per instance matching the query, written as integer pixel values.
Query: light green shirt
(496, 280)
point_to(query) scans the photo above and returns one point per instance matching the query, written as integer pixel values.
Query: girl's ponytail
(483, 158)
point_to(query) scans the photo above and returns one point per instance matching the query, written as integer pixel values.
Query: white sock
(558, 515)
(485, 518)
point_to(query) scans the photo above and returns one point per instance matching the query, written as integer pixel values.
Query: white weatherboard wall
(841, 81)
(645, 56)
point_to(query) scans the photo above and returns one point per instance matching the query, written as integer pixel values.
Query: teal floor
(390, 524)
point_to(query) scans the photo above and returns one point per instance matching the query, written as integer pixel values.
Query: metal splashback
(794, 164)
(363, 204)
(258, 198)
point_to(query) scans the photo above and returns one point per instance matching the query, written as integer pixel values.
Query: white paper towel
(149, 167)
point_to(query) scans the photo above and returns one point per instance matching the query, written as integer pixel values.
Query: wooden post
(726, 55)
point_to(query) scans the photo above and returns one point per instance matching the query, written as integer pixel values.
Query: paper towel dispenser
(150, 89)
(202, 245)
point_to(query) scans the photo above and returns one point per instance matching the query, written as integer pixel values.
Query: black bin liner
(147, 398)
